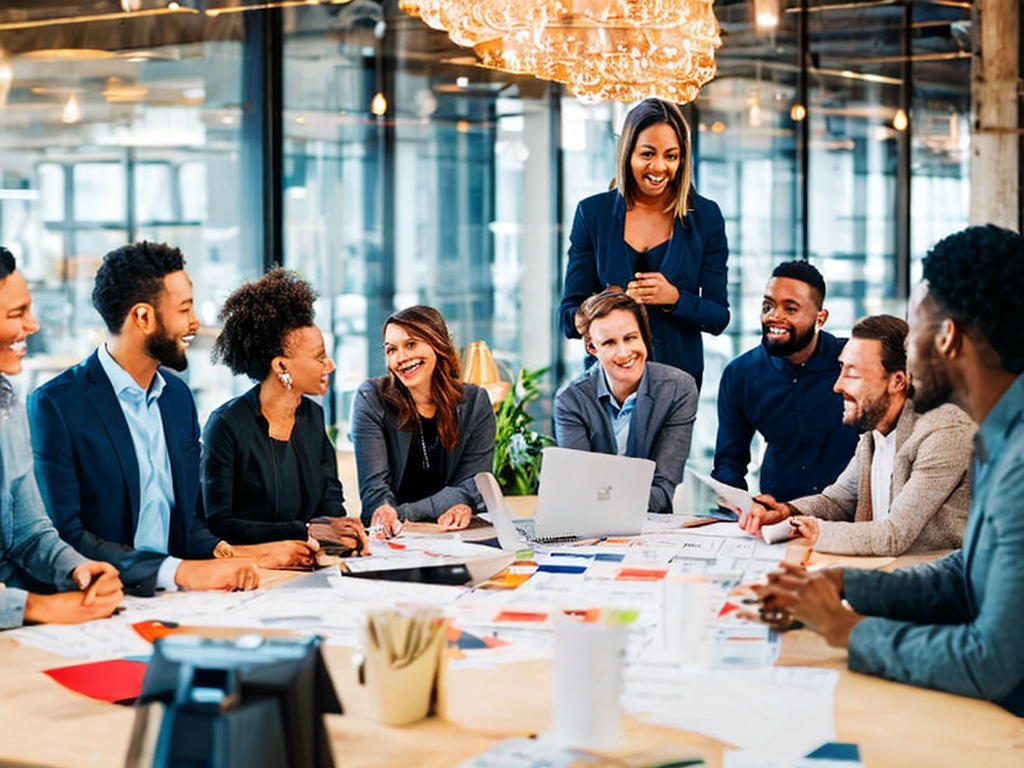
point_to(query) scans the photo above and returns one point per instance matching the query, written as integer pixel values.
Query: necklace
(423, 445)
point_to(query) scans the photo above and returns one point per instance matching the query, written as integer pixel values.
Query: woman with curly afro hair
(420, 433)
(269, 469)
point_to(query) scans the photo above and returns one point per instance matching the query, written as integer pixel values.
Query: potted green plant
(517, 447)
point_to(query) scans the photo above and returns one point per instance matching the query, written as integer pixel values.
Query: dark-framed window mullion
(262, 137)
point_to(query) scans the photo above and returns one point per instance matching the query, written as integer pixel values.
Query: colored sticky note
(113, 680)
(525, 616)
(641, 574)
(559, 568)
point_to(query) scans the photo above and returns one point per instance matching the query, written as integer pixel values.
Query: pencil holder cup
(406, 687)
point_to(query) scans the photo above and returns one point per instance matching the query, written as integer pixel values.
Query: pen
(806, 559)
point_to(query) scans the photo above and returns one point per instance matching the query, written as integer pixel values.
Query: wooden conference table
(895, 725)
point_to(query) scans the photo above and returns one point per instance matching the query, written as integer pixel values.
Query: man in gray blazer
(907, 488)
(954, 624)
(625, 405)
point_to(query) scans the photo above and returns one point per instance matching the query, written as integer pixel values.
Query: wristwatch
(223, 549)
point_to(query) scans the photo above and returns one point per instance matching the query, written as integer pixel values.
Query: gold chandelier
(620, 50)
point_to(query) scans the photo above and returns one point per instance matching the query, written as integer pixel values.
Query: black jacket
(240, 494)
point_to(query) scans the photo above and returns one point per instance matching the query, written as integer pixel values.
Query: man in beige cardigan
(907, 488)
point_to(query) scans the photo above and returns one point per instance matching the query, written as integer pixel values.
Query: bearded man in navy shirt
(783, 389)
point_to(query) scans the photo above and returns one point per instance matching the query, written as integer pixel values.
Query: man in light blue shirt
(141, 409)
(626, 405)
(955, 624)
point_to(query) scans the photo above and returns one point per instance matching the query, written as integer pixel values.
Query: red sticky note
(521, 616)
(727, 608)
(641, 574)
(115, 680)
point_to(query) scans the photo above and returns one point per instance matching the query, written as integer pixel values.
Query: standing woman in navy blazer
(420, 433)
(654, 236)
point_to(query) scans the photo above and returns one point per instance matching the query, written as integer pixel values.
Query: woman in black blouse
(269, 469)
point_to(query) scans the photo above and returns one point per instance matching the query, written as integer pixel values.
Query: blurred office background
(352, 143)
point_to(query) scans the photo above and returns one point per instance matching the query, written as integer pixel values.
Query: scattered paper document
(753, 709)
(735, 499)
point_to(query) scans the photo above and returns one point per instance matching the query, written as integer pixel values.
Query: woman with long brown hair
(420, 433)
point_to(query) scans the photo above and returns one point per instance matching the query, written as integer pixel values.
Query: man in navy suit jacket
(116, 438)
(626, 405)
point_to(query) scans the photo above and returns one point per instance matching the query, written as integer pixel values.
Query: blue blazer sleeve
(57, 474)
(581, 274)
(707, 308)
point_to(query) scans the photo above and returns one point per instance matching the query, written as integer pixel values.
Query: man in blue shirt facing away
(955, 624)
(783, 389)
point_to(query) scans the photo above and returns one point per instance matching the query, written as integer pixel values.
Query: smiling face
(410, 359)
(790, 317)
(306, 360)
(176, 322)
(867, 388)
(17, 322)
(616, 341)
(655, 161)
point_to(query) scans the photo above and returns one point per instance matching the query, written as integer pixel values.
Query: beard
(164, 349)
(870, 412)
(932, 389)
(797, 342)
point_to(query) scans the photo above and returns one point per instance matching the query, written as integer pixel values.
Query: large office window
(151, 150)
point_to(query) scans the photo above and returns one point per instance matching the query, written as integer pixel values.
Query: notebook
(582, 495)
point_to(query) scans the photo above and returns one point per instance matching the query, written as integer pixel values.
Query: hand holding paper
(732, 498)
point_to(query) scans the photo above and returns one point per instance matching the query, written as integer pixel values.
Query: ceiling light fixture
(71, 113)
(619, 50)
(6, 74)
(900, 121)
(766, 14)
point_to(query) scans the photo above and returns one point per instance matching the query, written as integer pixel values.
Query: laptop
(582, 495)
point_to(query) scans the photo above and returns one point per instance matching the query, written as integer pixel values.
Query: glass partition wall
(353, 144)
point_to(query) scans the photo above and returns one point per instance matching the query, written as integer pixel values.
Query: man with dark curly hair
(116, 439)
(955, 624)
(270, 472)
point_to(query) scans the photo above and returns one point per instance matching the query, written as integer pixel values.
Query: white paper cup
(587, 683)
(686, 603)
